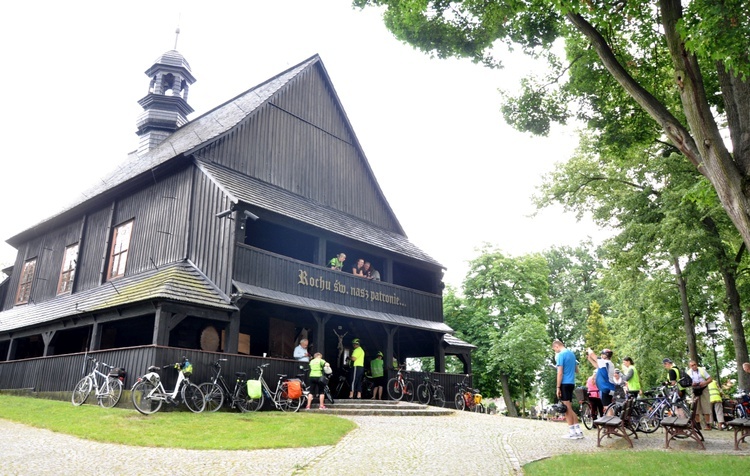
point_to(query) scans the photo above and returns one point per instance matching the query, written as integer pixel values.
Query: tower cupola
(165, 107)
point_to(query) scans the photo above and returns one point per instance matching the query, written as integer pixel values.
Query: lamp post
(711, 330)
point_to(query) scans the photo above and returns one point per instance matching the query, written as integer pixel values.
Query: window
(68, 271)
(24, 286)
(118, 255)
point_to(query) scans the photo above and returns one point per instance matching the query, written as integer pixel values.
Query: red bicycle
(401, 387)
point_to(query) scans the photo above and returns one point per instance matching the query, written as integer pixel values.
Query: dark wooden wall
(300, 143)
(159, 236)
(211, 238)
(279, 273)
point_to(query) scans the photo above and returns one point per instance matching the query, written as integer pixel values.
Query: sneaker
(307, 408)
(323, 407)
(570, 436)
(579, 436)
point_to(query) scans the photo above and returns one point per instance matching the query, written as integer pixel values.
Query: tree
(643, 67)
(597, 335)
(499, 290)
(521, 352)
(654, 50)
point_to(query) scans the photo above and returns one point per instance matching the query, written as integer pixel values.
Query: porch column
(439, 354)
(96, 337)
(320, 330)
(12, 347)
(231, 345)
(161, 327)
(47, 338)
(390, 333)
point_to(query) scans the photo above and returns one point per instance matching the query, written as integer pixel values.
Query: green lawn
(651, 463)
(204, 431)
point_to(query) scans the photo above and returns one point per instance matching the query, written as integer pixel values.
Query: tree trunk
(733, 314)
(506, 396)
(685, 307)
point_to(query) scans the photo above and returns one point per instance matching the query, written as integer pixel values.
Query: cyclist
(567, 366)
(358, 368)
(596, 402)
(317, 384)
(673, 376)
(630, 375)
(378, 376)
(605, 375)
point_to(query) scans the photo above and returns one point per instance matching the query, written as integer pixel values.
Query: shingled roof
(179, 282)
(241, 187)
(195, 134)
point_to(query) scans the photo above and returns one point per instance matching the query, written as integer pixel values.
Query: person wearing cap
(605, 375)
(673, 376)
(567, 366)
(358, 368)
(378, 376)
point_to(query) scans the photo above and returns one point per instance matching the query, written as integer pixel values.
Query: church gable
(300, 140)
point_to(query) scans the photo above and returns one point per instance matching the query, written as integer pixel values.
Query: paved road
(461, 443)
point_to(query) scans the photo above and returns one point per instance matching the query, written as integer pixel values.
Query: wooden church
(214, 238)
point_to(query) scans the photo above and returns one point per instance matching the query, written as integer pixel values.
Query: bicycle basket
(187, 369)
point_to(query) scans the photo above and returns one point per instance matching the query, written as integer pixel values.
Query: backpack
(685, 380)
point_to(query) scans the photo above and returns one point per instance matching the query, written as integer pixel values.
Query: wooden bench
(609, 425)
(676, 426)
(741, 427)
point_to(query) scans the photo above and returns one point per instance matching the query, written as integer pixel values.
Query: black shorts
(566, 392)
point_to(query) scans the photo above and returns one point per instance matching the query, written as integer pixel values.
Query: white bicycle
(148, 393)
(108, 394)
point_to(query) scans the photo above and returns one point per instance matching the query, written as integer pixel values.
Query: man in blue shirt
(567, 367)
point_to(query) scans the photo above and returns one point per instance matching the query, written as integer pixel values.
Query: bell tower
(165, 107)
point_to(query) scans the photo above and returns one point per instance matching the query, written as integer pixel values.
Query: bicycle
(468, 398)
(148, 393)
(343, 387)
(648, 413)
(217, 390)
(742, 408)
(585, 409)
(107, 395)
(400, 386)
(280, 397)
(431, 390)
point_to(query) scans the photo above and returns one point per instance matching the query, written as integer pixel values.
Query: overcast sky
(454, 173)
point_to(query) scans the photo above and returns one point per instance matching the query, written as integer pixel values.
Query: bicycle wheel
(141, 396)
(285, 403)
(255, 404)
(423, 394)
(459, 401)
(82, 390)
(111, 392)
(213, 396)
(241, 398)
(394, 389)
(439, 398)
(587, 417)
(409, 391)
(193, 397)
(739, 411)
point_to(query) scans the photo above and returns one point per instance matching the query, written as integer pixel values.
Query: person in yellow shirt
(378, 376)
(358, 369)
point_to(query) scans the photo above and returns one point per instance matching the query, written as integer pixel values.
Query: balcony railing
(279, 273)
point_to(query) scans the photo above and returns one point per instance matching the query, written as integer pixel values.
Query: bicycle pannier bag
(294, 389)
(254, 389)
(119, 373)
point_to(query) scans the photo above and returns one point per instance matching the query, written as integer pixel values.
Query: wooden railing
(279, 273)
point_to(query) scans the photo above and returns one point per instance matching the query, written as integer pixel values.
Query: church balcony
(268, 276)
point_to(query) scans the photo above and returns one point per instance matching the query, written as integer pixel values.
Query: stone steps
(381, 408)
